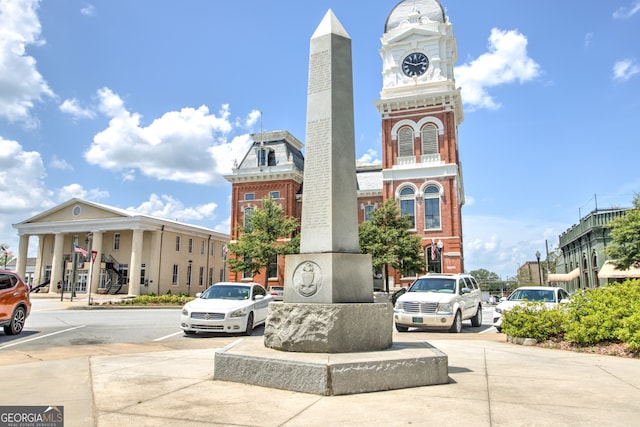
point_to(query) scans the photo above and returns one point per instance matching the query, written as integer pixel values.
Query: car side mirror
(564, 301)
(258, 297)
(466, 290)
(198, 294)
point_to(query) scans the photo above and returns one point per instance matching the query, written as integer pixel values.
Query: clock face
(415, 64)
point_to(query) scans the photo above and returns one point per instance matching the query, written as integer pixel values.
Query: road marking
(42, 336)
(168, 336)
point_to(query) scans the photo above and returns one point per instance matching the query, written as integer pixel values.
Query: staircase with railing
(113, 272)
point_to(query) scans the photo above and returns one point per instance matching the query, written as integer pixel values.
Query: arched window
(429, 140)
(431, 207)
(405, 142)
(408, 205)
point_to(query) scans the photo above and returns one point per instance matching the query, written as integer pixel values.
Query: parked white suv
(439, 301)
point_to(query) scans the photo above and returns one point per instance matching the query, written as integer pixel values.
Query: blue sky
(146, 104)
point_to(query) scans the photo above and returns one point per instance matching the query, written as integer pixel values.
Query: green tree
(624, 248)
(258, 243)
(386, 237)
(5, 255)
(488, 280)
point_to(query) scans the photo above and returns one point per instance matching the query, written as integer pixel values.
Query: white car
(549, 295)
(226, 307)
(439, 301)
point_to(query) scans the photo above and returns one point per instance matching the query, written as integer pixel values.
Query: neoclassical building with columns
(89, 247)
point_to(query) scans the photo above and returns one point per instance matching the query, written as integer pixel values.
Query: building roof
(77, 215)
(415, 11)
(369, 177)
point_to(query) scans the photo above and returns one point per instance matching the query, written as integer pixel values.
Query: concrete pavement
(491, 383)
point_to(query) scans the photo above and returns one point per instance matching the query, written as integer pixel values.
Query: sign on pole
(93, 256)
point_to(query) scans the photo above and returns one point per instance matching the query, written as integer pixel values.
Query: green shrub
(605, 314)
(593, 316)
(534, 320)
(167, 299)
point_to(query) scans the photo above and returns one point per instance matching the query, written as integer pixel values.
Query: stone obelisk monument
(328, 337)
(328, 290)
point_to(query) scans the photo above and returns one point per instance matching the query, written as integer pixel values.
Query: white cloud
(88, 10)
(170, 208)
(78, 191)
(21, 85)
(254, 117)
(371, 156)
(72, 107)
(587, 40)
(502, 245)
(190, 145)
(22, 188)
(60, 164)
(625, 69)
(627, 12)
(506, 62)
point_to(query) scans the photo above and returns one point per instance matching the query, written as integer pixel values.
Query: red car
(15, 304)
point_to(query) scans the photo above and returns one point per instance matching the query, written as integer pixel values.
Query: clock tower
(421, 110)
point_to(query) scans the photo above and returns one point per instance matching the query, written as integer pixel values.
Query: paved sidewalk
(491, 383)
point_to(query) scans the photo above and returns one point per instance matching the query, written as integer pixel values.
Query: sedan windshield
(227, 292)
(533, 295)
(447, 286)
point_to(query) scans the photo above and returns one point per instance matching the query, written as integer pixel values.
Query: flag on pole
(224, 250)
(77, 249)
(433, 250)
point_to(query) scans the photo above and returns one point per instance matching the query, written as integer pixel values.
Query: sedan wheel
(249, 329)
(456, 327)
(17, 322)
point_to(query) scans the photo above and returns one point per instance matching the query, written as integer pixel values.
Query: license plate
(417, 320)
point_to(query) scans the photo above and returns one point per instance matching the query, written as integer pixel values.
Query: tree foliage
(386, 237)
(258, 242)
(5, 257)
(624, 248)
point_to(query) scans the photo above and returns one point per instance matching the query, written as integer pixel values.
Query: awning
(564, 277)
(609, 271)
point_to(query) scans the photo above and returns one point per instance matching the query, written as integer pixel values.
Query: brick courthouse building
(420, 109)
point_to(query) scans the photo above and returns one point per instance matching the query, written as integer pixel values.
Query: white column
(135, 262)
(153, 268)
(23, 250)
(37, 273)
(57, 268)
(96, 245)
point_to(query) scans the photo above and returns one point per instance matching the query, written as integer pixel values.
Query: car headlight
(444, 306)
(498, 310)
(398, 306)
(185, 312)
(238, 313)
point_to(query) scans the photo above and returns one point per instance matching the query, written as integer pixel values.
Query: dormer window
(266, 157)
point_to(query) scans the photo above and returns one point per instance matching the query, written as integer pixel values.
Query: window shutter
(405, 142)
(429, 140)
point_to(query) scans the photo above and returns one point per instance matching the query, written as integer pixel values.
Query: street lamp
(539, 271)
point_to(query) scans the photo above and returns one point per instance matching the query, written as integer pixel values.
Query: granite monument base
(329, 328)
(403, 365)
